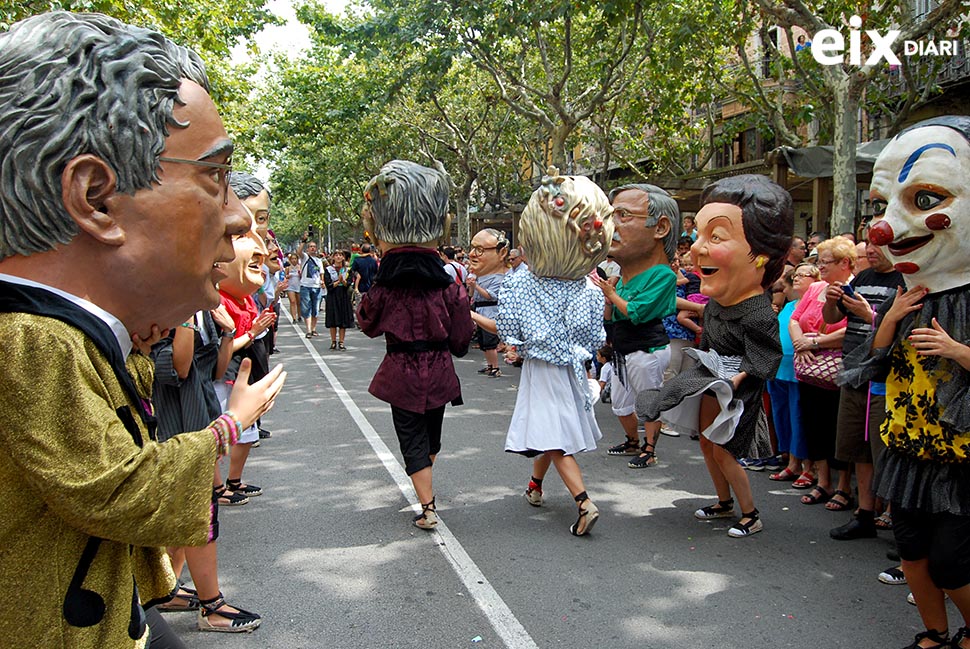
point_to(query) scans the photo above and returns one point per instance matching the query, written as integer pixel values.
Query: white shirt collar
(117, 328)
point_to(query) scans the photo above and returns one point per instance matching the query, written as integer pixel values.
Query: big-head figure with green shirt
(646, 221)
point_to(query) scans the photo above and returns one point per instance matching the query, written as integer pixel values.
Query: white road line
(504, 622)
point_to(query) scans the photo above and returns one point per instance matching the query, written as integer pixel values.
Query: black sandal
(723, 509)
(239, 622)
(184, 593)
(646, 457)
(962, 634)
(249, 490)
(588, 516)
(818, 495)
(340, 347)
(941, 638)
(428, 518)
(753, 526)
(333, 344)
(227, 498)
(629, 447)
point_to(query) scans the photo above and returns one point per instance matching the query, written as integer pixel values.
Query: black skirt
(340, 312)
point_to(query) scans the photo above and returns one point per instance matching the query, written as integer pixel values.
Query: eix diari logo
(828, 46)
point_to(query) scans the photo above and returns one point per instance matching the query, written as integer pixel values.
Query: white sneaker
(669, 432)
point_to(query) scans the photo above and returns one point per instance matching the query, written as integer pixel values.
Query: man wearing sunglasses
(127, 170)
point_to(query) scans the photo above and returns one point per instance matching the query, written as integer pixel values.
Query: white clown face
(921, 197)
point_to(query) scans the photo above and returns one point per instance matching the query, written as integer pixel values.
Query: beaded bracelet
(189, 325)
(226, 429)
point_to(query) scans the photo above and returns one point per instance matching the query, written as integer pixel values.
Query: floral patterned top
(913, 425)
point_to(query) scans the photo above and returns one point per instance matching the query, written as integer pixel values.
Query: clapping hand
(250, 402)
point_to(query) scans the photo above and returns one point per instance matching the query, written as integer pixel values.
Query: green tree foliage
(837, 92)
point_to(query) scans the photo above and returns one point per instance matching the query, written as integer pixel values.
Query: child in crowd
(604, 357)
(555, 320)
(691, 283)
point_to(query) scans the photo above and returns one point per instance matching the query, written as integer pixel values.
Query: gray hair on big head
(407, 203)
(75, 84)
(245, 184)
(659, 203)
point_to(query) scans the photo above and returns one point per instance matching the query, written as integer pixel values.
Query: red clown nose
(881, 233)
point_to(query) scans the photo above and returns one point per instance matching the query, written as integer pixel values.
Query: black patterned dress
(739, 338)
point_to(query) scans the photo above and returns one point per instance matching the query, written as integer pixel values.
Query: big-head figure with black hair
(744, 232)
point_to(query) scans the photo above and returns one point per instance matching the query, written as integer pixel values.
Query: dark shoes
(942, 640)
(854, 529)
(264, 434)
(629, 447)
(248, 490)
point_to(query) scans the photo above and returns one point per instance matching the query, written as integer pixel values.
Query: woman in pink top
(820, 407)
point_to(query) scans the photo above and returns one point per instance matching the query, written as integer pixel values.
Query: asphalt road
(329, 558)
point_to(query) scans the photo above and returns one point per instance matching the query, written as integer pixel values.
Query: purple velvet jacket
(414, 300)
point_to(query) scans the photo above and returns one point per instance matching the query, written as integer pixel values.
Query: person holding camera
(309, 282)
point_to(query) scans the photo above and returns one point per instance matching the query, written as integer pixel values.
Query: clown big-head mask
(921, 200)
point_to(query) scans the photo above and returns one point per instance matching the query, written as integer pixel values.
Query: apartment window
(922, 7)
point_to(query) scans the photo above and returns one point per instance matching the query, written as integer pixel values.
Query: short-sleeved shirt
(491, 284)
(651, 295)
(366, 267)
(808, 313)
(875, 288)
(309, 271)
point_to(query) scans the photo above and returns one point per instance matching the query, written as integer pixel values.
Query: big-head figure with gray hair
(407, 204)
(420, 310)
(113, 158)
(255, 196)
(646, 221)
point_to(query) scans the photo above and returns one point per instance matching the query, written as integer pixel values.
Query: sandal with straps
(240, 621)
(646, 457)
(818, 495)
(942, 638)
(963, 633)
(428, 518)
(844, 502)
(629, 447)
(588, 515)
(187, 595)
(227, 498)
(754, 525)
(248, 490)
(723, 509)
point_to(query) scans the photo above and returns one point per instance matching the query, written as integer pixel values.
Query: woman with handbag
(818, 358)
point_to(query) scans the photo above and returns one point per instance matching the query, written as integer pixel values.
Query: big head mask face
(921, 198)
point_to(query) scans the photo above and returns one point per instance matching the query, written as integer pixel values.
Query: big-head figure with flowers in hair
(554, 317)
(921, 195)
(744, 232)
(421, 312)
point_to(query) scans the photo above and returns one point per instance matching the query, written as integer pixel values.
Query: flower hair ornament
(566, 226)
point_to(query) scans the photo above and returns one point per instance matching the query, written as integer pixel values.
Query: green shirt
(651, 295)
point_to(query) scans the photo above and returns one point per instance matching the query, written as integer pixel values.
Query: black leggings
(419, 434)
